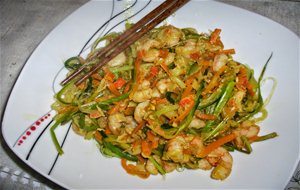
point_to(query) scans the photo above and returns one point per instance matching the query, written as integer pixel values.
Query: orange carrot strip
(187, 91)
(81, 86)
(133, 170)
(113, 89)
(206, 116)
(137, 64)
(165, 68)
(214, 36)
(107, 131)
(185, 112)
(195, 56)
(138, 127)
(109, 76)
(96, 76)
(119, 83)
(228, 51)
(146, 148)
(98, 136)
(216, 144)
(114, 109)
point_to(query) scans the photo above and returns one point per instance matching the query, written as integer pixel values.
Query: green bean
(118, 151)
(266, 137)
(157, 165)
(212, 98)
(220, 105)
(260, 99)
(64, 118)
(216, 130)
(246, 144)
(224, 98)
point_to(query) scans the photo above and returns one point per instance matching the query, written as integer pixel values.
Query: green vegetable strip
(122, 68)
(260, 99)
(166, 109)
(246, 144)
(190, 116)
(224, 98)
(266, 137)
(222, 102)
(215, 131)
(157, 165)
(64, 118)
(212, 98)
(118, 151)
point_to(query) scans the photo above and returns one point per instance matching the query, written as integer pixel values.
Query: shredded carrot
(228, 51)
(160, 100)
(96, 76)
(185, 112)
(214, 81)
(186, 101)
(250, 89)
(216, 144)
(109, 76)
(214, 36)
(165, 68)
(129, 111)
(95, 82)
(115, 108)
(138, 127)
(195, 56)
(113, 89)
(206, 116)
(119, 83)
(146, 148)
(137, 64)
(133, 170)
(242, 81)
(163, 53)
(81, 86)
(141, 159)
(187, 91)
(127, 87)
(107, 131)
(98, 136)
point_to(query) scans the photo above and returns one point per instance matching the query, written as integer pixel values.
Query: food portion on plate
(174, 99)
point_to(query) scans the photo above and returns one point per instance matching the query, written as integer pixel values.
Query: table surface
(25, 23)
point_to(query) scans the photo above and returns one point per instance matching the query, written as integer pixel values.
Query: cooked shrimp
(118, 60)
(197, 123)
(204, 164)
(118, 119)
(188, 48)
(149, 47)
(222, 160)
(150, 166)
(247, 129)
(144, 92)
(219, 61)
(170, 36)
(140, 111)
(165, 85)
(175, 150)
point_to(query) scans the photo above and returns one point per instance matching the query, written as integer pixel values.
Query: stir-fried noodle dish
(174, 99)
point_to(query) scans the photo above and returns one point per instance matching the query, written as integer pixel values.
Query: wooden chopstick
(120, 38)
(123, 41)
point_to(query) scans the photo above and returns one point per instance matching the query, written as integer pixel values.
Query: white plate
(82, 166)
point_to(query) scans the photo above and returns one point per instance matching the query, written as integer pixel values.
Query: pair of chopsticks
(131, 35)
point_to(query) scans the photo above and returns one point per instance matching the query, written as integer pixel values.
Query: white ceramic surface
(25, 125)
